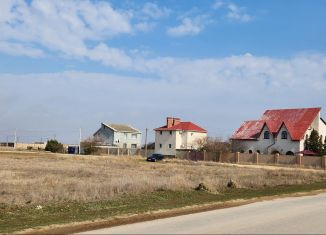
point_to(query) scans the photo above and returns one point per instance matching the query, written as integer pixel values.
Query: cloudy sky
(71, 64)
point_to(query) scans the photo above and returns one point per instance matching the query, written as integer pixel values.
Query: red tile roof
(297, 121)
(182, 126)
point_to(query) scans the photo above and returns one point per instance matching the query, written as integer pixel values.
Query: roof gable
(297, 121)
(182, 126)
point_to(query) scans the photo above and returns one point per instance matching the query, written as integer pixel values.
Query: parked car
(155, 157)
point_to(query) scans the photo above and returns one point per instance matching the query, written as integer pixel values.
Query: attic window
(170, 132)
(161, 132)
(266, 135)
(284, 135)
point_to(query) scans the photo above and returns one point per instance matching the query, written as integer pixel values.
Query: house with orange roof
(177, 135)
(281, 131)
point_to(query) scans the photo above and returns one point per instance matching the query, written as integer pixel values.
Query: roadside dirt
(135, 218)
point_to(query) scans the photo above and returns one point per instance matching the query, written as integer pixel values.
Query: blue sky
(71, 64)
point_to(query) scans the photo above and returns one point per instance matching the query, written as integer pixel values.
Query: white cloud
(20, 49)
(215, 93)
(218, 4)
(238, 13)
(154, 11)
(188, 26)
(65, 27)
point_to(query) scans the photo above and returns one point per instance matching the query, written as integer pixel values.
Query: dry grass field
(32, 179)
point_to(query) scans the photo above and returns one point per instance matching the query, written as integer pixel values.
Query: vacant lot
(34, 179)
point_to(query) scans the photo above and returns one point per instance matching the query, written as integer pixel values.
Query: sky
(66, 65)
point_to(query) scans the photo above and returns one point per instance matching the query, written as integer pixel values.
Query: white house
(279, 131)
(119, 135)
(177, 135)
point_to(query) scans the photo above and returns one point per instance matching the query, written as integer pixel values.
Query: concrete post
(323, 162)
(277, 156)
(257, 158)
(204, 152)
(237, 157)
(118, 152)
(299, 160)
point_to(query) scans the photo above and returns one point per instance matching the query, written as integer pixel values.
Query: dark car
(155, 157)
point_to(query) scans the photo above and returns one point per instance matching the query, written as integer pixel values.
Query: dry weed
(37, 179)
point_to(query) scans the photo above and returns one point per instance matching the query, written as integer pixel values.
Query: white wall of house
(267, 146)
(127, 139)
(167, 142)
(285, 145)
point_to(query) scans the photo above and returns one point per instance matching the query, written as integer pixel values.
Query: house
(118, 135)
(177, 135)
(281, 131)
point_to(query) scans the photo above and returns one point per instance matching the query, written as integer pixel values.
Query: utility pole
(146, 143)
(80, 139)
(15, 140)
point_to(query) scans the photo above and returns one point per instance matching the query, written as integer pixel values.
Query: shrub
(90, 146)
(54, 146)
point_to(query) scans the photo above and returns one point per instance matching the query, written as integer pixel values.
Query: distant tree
(315, 143)
(150, 145)
(54, 146)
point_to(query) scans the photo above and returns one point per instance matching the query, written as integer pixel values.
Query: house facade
(281, 131)
(119, 135)
(177, 135)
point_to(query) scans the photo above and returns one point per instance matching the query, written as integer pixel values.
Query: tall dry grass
(37, 179)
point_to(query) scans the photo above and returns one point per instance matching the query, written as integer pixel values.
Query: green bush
(54, 146)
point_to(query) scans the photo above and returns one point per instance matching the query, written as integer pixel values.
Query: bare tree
(214, 145)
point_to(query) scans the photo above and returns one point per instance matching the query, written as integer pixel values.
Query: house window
(133, 136)
(250, 151)
(170, 146)
(133, 146)
(307, 136)
(284, 135)
(160, 145)
(266, 135)
(325, 140)
(170, 132)
(125, 145)
(126, 135)
(161, 132)
(192, 133)
(258, 151)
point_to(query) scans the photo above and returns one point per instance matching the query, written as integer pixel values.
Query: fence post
(256, 158)
(277, 155)
(237, 157)
(323, 162)
(204, 152)
(299, 160)
(118, 151)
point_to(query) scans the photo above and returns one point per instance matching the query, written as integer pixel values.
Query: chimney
(170, 121)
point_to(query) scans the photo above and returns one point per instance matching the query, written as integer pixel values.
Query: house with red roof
(281, 131)
(177, 135)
